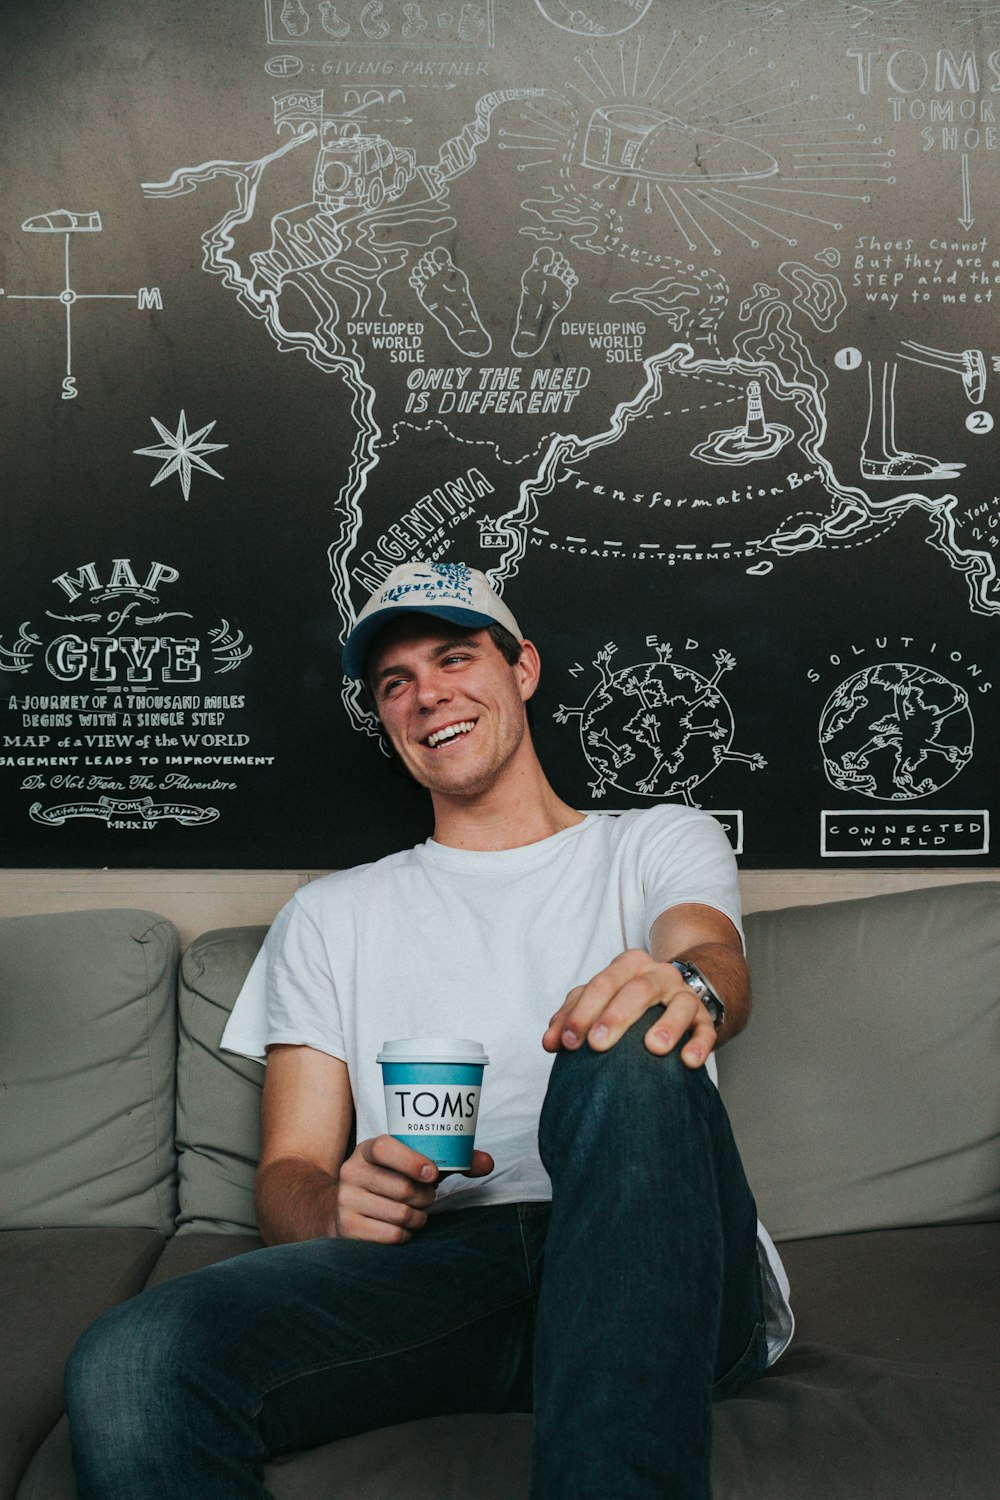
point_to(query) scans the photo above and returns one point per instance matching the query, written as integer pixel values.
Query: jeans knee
(130, 1362)
(125, 1397)
(111, 1361)
(625, 1090)
(627, 1072)
(103, 1397)
(102, 1346)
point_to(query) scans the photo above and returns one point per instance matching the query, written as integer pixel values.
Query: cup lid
(431, 1049)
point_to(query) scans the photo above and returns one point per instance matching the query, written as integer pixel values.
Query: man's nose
(432, 687)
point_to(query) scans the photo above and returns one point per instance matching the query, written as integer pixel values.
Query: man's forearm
(296, 1200)
(726, 970)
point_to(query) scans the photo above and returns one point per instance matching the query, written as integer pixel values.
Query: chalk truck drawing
(646, 144)
(359, 172)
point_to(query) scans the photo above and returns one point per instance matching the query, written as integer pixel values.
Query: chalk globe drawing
(656, 729)
(594, 18)
(895, 732)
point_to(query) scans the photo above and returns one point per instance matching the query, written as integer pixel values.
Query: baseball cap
(448, 591)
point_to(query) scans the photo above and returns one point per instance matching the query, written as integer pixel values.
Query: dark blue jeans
(617, 1316)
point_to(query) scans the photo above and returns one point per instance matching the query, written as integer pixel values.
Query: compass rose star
(182, 452)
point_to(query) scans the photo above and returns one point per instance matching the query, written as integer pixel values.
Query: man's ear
(529, 669)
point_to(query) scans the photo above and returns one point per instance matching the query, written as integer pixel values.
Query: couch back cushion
(218, 1093)
(864, 1094)
(87, 1060)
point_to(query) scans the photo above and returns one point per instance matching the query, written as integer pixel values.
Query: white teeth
(449, 732)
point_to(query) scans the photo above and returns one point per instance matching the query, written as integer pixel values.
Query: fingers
(384, 1192)
(386, 1188)
(665, 1033)
(599, 1013)
(384, 1153)
(561, 1031)
(602, 1011)
(482, 1165)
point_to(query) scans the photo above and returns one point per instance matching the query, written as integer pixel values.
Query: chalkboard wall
(678, 319)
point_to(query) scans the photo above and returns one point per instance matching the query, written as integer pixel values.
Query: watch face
(697, 981)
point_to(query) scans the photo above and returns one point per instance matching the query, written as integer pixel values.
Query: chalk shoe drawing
(881, 458)
(331, 23)
(295, 18)
(970, 364)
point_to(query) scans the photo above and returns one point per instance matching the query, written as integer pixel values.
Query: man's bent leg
(185, 1390)
(650, 1290)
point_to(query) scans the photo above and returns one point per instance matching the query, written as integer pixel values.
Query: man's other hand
(599, 1013)
(385, 1190)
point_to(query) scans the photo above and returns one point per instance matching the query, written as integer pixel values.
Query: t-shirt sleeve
(290, 993)
(686, 857)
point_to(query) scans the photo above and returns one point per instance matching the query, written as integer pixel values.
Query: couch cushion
(197, 1248)
(864, 1093)
(892, 1383)
(87, 1059)
(218, 1093)
(55, 1282)
(928, 1295)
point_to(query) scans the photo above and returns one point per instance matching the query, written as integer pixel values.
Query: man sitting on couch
(601, 1264)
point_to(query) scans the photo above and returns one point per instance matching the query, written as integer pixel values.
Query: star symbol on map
(182, 452)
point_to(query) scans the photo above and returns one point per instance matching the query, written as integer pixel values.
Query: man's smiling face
(451, 704)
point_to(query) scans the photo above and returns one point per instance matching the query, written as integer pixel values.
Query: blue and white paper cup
(432, 1087)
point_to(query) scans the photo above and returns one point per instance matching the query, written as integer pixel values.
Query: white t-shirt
(436, 941)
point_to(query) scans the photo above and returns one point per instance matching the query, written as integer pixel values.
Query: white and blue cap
(447, 591)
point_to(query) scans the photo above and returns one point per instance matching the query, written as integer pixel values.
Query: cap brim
(361, 638)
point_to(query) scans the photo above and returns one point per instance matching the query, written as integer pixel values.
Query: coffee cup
(432, 1087)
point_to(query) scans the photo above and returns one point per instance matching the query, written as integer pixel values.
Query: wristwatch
(712, 1001)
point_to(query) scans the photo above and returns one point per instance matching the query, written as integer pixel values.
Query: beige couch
(865, 1097)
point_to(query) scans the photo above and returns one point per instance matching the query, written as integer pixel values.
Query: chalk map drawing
(524, 313)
